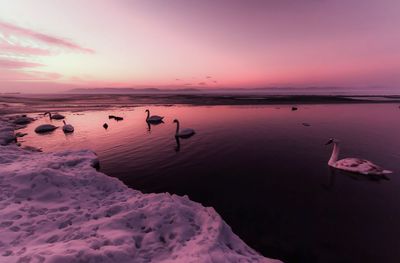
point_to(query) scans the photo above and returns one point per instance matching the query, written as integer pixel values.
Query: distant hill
(129, 90)
(326, 91)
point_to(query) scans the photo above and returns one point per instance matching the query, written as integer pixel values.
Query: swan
(115, 117)
(55, 116)
(154, 118)
(45, 128)
(22, 120)
(184, 133)
(67, 128)
(354, 165)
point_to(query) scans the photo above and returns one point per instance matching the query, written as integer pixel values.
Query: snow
(55, 207)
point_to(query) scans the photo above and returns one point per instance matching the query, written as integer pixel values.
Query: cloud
(7, 48)
(17, 64)
(20, 48)
(18, 75)
(208, 77)
(53, 41)
(202, 83)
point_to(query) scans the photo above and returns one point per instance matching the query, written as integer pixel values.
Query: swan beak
(329, 142)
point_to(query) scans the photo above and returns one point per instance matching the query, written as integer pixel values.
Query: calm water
(262, 170)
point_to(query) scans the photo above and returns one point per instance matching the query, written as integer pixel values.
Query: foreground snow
(55, 207)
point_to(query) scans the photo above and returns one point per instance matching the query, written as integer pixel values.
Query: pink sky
(56, 45)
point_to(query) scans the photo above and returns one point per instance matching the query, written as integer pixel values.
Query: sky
(51, 46)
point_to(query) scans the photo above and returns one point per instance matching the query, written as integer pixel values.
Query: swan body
(115, 118)
(154, 118)
(67, 128)
(55, 116)
(184, 133)
(23, 120)
(45, 128)
(354, 165)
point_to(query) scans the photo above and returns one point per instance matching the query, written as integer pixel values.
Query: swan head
(175, 121)
(47, 112)
(332, 140)
(146, 111)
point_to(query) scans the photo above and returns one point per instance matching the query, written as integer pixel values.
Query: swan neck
(148, 114)
(177, 127)
(335, 154)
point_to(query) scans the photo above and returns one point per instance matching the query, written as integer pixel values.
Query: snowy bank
(55, 207)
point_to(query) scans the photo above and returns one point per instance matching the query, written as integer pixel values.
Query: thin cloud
(18, 75)
(19, 46)
(7, 28)
(7, 48)
(17, 64)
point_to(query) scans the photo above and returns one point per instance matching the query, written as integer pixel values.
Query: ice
(55, 207)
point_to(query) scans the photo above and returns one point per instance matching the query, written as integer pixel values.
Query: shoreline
(60, 209)
(24, 103)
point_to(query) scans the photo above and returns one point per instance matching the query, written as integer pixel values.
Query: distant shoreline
(29, 103)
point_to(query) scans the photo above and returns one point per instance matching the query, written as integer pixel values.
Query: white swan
(354, 165)
(67, 128)
(45, 128)
(154, 118)
(55, 116)
(184, 133)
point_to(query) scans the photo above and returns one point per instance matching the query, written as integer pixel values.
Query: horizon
(213, 45)
(263, 91)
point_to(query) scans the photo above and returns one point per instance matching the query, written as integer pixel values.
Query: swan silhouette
(353, 165)
(55, 116)
(45, 128)
(184, 133)
(154, 118)
(67, 128)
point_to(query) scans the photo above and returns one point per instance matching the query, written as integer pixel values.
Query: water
(262, 170)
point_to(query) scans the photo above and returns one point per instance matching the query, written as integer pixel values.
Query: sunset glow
(58, 45)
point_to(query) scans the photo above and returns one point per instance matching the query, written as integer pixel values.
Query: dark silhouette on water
(154, 118)
(184, 133)
(67, 128)
(115, 117)
(44, 128)
(178, 144)
(149, 124)
(55, 116)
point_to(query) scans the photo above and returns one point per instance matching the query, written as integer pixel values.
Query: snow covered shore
(55, 207)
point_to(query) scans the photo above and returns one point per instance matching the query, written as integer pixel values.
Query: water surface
(262, 169)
